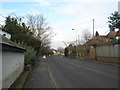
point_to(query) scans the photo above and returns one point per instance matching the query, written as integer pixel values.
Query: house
(110, 51)
(12, 61)
(111, 36)
(101, 41)
(55, 52)
(118, 34)
(97, 40)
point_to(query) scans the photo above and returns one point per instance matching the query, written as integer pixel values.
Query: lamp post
(76, 44)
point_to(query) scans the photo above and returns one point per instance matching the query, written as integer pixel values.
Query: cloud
(103, 30)
(81, 14)
(77, 14)
(33, 12)
(57, 44)
(83, 1)
(4, 13)
(46, 2)
(8, 11)
(42, 2)
(2, 20)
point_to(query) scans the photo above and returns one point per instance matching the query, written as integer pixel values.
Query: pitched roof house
(111, 35)
(118, 33)
(98, 40)
(103, 40)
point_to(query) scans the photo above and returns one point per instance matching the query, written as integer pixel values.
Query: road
(62, 72)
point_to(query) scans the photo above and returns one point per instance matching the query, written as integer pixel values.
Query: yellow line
(53, 80)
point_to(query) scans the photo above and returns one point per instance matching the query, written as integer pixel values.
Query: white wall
(12, 66)
(0, 72)
(0, 68)
(0, 63)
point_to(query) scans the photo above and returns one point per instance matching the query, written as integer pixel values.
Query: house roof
(118, 33)
(112, 34)
(9, 45)
(98, 40)
(103, 40)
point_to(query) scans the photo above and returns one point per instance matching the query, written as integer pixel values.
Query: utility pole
(119, 7)
(95, 44)
(93, 27)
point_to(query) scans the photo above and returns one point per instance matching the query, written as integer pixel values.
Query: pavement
(20, 80)
(61, 72)
(40, 77)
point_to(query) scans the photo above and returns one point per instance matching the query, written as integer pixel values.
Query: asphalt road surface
(62, 72)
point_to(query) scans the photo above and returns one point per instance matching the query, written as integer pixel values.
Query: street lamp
(76, 44)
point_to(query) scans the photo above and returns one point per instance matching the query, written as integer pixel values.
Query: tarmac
(40, 77)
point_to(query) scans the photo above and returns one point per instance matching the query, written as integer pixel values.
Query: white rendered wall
(12, 67)
(0, 63)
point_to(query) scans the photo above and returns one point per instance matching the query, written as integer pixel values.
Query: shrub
(30, 53)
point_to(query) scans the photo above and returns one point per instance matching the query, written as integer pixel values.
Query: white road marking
(53, 80)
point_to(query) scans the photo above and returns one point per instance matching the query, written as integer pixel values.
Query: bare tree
(87, 35)
(40, 28)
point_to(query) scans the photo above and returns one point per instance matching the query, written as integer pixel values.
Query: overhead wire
(2, 15)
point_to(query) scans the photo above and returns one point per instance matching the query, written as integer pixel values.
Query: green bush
(30, 53)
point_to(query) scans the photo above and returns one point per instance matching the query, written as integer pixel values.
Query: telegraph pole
(93, 27)
(119, 7)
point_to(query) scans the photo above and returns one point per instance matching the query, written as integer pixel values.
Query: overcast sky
(63, 15)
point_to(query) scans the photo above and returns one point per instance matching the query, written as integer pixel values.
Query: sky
(65, 15)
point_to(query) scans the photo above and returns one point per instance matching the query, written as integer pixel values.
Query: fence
(108, 51)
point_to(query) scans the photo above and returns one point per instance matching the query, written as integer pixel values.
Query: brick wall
(109, 59)
(91, 54)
